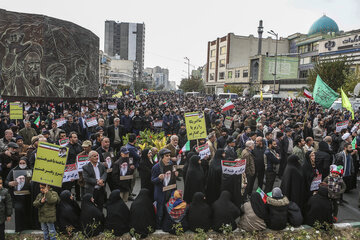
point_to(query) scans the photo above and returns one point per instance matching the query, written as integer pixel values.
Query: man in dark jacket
(167, 122)
(259, 152)
(272, 166)
(126, 122)
(230, 153)
(5, 208)
(137, 123)
(71, 126)
(115, 133)
(95, 176)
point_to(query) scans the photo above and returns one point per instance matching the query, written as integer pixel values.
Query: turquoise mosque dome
(323, 25)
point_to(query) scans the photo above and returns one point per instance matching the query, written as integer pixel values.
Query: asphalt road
(349, 212)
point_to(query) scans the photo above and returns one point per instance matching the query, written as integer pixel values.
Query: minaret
(260, 32)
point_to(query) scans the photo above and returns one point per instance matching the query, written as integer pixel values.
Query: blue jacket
(133, 152)
(167, 119)
(126, 122)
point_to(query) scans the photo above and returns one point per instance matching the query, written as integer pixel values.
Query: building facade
(228, 59)
(104, 68)
(122, 72)
(160, 77)
(126, 40)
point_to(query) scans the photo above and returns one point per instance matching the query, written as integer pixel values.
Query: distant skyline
(178, 29)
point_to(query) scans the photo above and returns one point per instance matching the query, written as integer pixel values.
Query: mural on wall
(42, 56)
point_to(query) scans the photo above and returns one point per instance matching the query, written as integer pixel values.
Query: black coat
(292, 182)
(142, 213)
(259, 159)
(278, 213)
(224, 212)
(232, 183)
(90, 217)
(309, 173)
(194, 181)
(123, 185)
(199, 213)
(319, 208)
(144, 169)
(323, 159)
(118, 214)
(74, 150)
(111, 133)
(68, 213)
(213, 186)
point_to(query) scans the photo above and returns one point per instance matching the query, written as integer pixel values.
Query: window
(222, 63)
(212, 65)
(237, 73)
(230, 74)
(245, 73)
(305, 60)
(222, 50)
(212, 76)
(222, 75)
(213, 52)
(303, 74)
(314, 59)
(304, 48)
(314, 46)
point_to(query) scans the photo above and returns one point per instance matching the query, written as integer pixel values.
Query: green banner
(323, 94)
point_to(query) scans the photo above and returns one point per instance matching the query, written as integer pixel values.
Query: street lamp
(188, 63)
(271, 32)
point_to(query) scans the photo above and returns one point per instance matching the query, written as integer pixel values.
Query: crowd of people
(299, 165)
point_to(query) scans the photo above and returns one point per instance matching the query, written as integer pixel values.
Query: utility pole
(276, 45)
(188, 63)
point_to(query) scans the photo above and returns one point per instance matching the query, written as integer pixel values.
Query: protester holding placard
(311, 175)
(95, 177)
(122, 174)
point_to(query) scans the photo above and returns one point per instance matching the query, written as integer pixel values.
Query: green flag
(346, 103)
(323, 94)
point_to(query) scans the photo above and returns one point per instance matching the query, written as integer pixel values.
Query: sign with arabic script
(236, 167)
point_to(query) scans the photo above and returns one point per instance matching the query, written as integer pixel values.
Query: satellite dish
(246, 92)
(357, 90)
(266, 88)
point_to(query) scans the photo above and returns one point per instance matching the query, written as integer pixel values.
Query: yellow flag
(261, 96)
(346, 103)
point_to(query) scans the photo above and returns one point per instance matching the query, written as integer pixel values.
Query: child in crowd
(46, 202)
(336, 187)
(5, 208)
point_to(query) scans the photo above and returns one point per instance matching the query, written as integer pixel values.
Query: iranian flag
(37, 121)
(308, 94)
(353, 143)
(227, 106)
(185, 148)
(291, 103)
(262, 194)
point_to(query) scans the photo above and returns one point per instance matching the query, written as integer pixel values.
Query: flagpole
(307, 112)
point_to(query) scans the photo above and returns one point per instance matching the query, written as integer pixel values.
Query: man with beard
(71, 126)
(298, 149)
(247, 154)
(27, 132)
(54, 132)
(56, 74)
(167, 122)
(243, 138)
(9, 159)
(272, 166)
(212, 144)
(121, 169)
(147, 120)
(173, 147)
(107, 156)
(9, 137)
(345, 158)
(221, 142)
(259, 152)
(137, 123)
(157, 177)
(318, 133)
(229, 149)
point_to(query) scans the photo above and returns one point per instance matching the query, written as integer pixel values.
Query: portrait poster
(169, 181)
(23, 178)
(50, 164)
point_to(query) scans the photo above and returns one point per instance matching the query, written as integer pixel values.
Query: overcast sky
(175, 29)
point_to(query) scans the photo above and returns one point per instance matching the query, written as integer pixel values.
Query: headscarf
(144, 155)
(176, 206)
(259, 206)
(216, 161)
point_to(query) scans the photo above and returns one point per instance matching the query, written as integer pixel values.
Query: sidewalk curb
(160, 232)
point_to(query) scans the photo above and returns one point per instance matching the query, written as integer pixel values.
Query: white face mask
(22, 166)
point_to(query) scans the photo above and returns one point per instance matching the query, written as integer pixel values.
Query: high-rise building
(126, 40)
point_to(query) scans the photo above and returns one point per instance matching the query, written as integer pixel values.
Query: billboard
(44, 57)
(286, 67)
